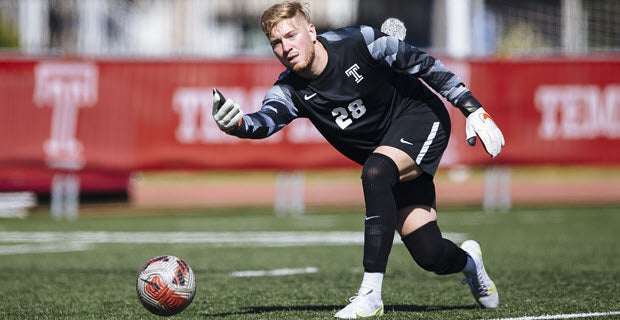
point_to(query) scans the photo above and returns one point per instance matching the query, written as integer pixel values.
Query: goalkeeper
(362, 90)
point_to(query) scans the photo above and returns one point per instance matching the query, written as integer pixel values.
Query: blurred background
(110, 100)
(225, 28)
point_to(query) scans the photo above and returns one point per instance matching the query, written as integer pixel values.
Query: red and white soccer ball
(166, 285)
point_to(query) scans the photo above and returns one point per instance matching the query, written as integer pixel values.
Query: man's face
(292, 41)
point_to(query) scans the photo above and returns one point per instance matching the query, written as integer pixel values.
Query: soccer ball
(166, 285)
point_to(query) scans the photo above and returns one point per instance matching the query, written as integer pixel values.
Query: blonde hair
(282, 11)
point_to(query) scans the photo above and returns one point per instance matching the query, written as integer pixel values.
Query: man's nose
(286, 45)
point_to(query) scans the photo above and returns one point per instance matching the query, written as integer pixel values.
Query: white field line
(273, 273)
(565, 316)
(37, 242)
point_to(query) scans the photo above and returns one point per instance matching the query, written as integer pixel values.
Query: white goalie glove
(226, 113)
(480, 124)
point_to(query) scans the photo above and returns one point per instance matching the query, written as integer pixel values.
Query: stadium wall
(104, 119)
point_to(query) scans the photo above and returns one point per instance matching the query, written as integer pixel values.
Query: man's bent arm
(408, 59)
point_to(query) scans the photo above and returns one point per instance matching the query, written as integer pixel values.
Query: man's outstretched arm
(276, 112)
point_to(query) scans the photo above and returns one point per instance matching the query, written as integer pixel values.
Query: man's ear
(312, 32)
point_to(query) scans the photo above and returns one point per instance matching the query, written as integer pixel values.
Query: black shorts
(422, 131)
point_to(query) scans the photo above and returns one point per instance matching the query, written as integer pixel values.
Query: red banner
(553, 111)
(106, 118)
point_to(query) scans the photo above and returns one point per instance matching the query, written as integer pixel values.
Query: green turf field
(552, 261)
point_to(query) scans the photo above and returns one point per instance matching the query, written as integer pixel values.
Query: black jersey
(370, 78)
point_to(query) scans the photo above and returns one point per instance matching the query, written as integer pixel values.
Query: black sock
(379, 176)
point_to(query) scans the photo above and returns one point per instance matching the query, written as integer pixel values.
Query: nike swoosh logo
(151, 283)
(308, 97)
(402, 140)
(371, 217)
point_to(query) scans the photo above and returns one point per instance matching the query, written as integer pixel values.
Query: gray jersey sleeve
(276, 112)
(405, 58)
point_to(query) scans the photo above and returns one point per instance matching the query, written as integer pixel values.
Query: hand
(226, 113)
(480, 123)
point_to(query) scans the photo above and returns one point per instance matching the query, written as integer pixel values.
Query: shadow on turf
(388, 308)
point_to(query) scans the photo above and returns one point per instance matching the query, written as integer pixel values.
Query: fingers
(492, 146)
(228, 114)
(471, 141)
(481, 125)
(492, 140)
(235, 120)
(224, 110)
(216, 103)
(470, 133)
(502, 137)
(218, 100)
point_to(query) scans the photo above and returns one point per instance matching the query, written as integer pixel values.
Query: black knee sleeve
(434, 253)
(379, 176)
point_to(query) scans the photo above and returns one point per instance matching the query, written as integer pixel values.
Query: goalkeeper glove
(226, 113)
(480, 123)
